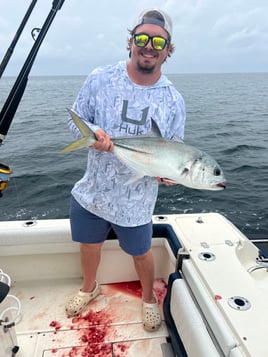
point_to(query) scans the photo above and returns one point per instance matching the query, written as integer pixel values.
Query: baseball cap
(156, 17)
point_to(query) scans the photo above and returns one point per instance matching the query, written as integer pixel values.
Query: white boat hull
(213, 307)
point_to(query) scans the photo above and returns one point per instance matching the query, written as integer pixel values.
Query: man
(120, 100)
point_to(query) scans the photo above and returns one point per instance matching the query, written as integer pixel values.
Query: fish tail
(78, 144)
(88, 136)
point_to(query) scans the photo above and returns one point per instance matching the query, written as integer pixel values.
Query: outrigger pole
(10, 107)
(10, 49)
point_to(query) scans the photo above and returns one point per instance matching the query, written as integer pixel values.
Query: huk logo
(137, 122)
(133, 121)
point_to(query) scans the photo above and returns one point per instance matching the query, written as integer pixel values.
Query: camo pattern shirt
(111, 101)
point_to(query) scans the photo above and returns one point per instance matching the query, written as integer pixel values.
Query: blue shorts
(89, 228)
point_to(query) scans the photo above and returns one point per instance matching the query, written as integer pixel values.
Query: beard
(146, 68)
(145, 65)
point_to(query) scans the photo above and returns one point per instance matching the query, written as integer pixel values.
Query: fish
(172, 161)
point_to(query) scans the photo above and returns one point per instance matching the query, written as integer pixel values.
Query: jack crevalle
(157, 157)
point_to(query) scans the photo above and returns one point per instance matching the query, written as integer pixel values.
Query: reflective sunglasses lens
(141, 40)
(159, 43)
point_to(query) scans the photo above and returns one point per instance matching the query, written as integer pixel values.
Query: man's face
(147, 59)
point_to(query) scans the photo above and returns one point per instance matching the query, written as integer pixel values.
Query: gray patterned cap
(156, 17)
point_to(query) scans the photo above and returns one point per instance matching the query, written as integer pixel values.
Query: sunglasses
(158, 42)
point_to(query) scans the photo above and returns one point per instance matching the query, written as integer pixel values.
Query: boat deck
(110, 326)
(215, 304)
(44, 267)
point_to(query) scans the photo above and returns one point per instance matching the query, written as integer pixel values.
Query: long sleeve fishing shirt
(111, 101)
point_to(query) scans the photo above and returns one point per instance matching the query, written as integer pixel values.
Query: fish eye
(217, 171)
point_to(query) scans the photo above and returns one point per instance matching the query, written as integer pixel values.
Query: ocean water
(227, 116)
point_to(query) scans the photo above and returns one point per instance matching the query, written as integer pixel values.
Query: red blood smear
(122, 347)
(55, 324)
(94, 335)
(97, 323)
(160, 290)
(134, 288)
(120, 350)
(97, 350)
(91, 319)
(93, 326)
(131, 288)
(104, 350)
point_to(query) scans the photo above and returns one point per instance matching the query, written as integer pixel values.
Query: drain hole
(239, 303)
(29, 223)
(207, 256)
(161, 218)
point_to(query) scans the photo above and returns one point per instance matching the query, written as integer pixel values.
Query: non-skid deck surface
(111, 326)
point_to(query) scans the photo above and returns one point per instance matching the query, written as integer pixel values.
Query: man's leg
(90, 258)
(151, 316)
(144, 265)
(136, 241)
(90, 255)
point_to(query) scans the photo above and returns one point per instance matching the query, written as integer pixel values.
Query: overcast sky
(209, 35)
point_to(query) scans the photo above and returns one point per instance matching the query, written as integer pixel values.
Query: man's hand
(103, 143)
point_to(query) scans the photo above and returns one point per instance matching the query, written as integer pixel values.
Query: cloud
(208, 35)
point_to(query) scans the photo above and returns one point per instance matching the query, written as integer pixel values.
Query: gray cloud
(209, 35)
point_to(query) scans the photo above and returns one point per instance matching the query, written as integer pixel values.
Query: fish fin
(82, 126)
(155, 131)
(77, 144)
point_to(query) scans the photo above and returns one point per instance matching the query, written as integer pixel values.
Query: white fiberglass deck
(44, 266)
(111, 326)
(220, 287)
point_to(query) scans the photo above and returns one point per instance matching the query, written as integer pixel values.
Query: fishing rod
(10, 107)
(10, 49)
